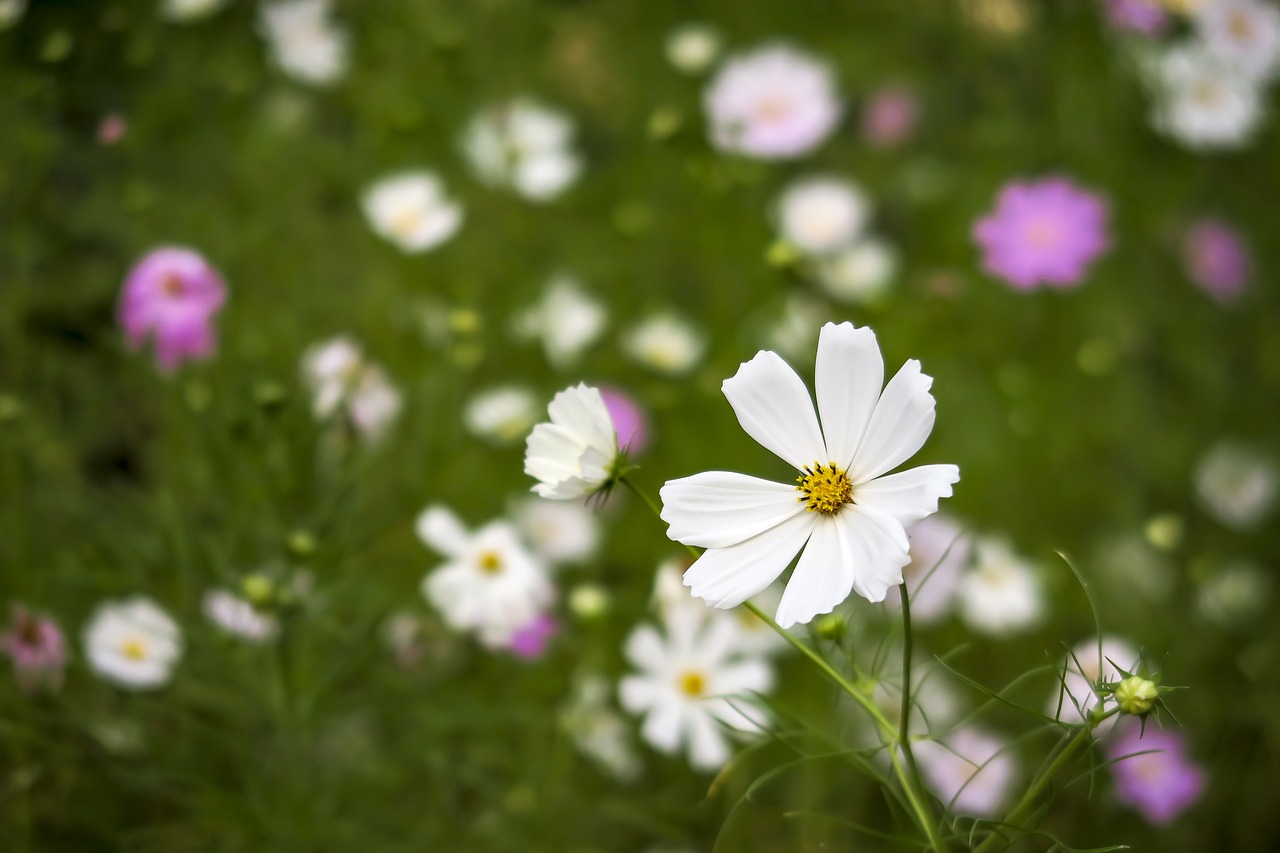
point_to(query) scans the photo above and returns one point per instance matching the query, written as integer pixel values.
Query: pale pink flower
(111, 129)
(628, 420)
(531, 641)
(970, 770)
(890, 116)
(1139, 16)
(1216, 259)
(39, 653)
(1162, 782)
(171, 297)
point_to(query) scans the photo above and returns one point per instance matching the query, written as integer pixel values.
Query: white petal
(716, 509)
(774, 408)
(899, 426)
(663, 727)
(726, 577)
(638, 694)
(707, 747)
(440, 529)
(848, 377)
(910, 495)
(743, 678)
(879, 548)
(823, 575)
(645, 649)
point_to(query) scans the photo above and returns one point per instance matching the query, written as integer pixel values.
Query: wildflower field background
(1125, 417)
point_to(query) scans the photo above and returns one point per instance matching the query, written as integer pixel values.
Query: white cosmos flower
(685, 685)
(844, 510)
(754, 636)
(971, 770)
(502, 415)
(133, 643)
(238, 617)
(558, 531)
(576, 455)
(1237, 484)
(666, 343)
(819, 216)
(1244, 34)
(862, 272)
(186, 11)
(411, 210)
(1202, 102)
(1001, 594)
(490, 585)
(566, 319)
(1081, 670)
(523, 146)
(343, 382)
(305, 42)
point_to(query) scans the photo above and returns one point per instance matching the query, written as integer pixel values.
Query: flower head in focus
(133, 643)
(575, 455)
(844, 513)
(170, 298)
(304, 41)
(411, 210)
(1153, 773)
(525, 147)
(38, 649)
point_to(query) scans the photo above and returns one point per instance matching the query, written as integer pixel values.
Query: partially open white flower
(238, 617)
(819, 216)
(490, 585)
(188, 11)
(523, 146)
(1202, 102)
(844, 512)
(860, 273)
(666, 343)
(1001, 594)
(502, 415)
(1243, 34)
(692, 48)
(576, 455)
(343, 382)
(411, 210)
(566, 319)
(133, 643)
(306, 44)
(970, 770)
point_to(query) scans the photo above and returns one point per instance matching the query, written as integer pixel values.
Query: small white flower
(970, 770)
(819, 216)
(1243, 34)
(10, 12)
(692, 48)
(558, 531)
(686, 682)
(490, 585)
(133, 643)
(1235, 595)
(501, 415)
(860, 273)
(238, 617)
(343, 382)
(576, 455)
(599, 732)
(939, 552)
(672, 602)
(411, 210)
(666, 343)
(566, 319)
(523, 146)
(1236, 484)
(792, 332)
(1001, 594)
(1081, 670)
(304, 41)
(1203, 103)
(773, 103)
(844, 514)
(187, 11)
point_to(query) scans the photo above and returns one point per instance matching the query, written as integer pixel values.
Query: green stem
(905, 712)
(650, 502)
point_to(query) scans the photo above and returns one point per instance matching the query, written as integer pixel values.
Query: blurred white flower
(502, 415)
(523, 146)
(341, 381)
(1201, 102)
(671, 601)
(692, 48)
(10, 12)
(686, 682)
(793, 331)
(490, 583)
(558, 531)
(305, 43)
(1001, 594)
(666, 343)
(860, 273)
(939, 552)
(1243, 34)
(600, 732)
(132, 643)
(576, 455)
(411, 210)
(971, 770)
(935, 703)
(187, 11)
(238, 617)
(1083, 669)
(776, 102)
(819, 216)
(566, 319)
(1235, 595)
(1236, 484)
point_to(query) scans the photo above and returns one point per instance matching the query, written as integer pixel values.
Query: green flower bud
(1136, 695)
(259, 590)
(831, 627)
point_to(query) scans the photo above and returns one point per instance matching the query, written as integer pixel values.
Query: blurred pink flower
(1139, 16)
(171, 296)
(111, 129)
(1216, 259)
(628, 420)
(1160, 784)
(890, 115)
(531, 641)
(37, 648)
(1042, 232)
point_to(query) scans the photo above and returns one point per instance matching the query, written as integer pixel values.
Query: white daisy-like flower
(692, 48)
(133, 643)
(819, 216)
(1202, 102)
(598, 731)
(491, 584)
(666, 343)
(671, 601)
(939, 552)
(411, 210)
(343, 383)
(1237, 484)
(971, 770)
(1074, 696)
(188, 11)
(844, 510)
(774, 103)
(238, 617)
(525, 147)
(860, 273)
(566, 319)
(558, 531)
(690, 683)
(576, 455)
(502, 415)
(1001, 593)
(305, 43)
(1244, 34)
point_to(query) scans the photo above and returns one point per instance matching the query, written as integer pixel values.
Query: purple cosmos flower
(628, 420)
(1216, 259)
(38, 650)
(1162, 782)
(1042, 232)
(171, 297)
(531, 640)
(890, 116)
(1139, 16)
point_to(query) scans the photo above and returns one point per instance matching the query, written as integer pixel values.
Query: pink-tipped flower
(1042, 232)
(1138, 16)
(1216, 259)
(1162, 782)
(171, 297)
(628, 420)
(531, 641)
(890, 115)
(38, 650)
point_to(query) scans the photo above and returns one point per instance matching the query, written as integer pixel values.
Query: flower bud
(832, 627)
(1136, 695)
(259, 590)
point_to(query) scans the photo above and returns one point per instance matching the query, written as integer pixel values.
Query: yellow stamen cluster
(134, 649)
(693, 684)
(490, 563)
(824, 488)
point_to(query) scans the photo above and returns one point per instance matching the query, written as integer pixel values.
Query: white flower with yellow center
(133, 643)
(411, 210)
(490, 585)
(1203, 103)
(819, 216)
(1001, 594)
(665, 343)
(576, 455)
(845, 512)
(1244, 34)
(306, 44)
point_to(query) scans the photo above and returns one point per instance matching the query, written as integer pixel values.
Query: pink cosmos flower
(1139, 16)
(1042, 232)
(1161, 783)
(531, 641)
(1216, 259)
(628, 420)
(171, 297)
(38, 650)
(889, 116)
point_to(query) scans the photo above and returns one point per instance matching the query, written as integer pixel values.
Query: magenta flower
(532, 640)
(1042, 232)
(1216, 259)
(628, 420)
(171, 297)
(889, 116)
(1162, 782)
(38, 650)
(1139, 16)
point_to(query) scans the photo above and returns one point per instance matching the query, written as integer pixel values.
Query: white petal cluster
(501, 415)
(566, 319)
(558, 531)
(525, 147)
(411, 210)
(1001, 593)
(666, 343)
(575, 455)
(1243, 34)
(237, 617)
(860, 273)
(304, 41)
(343, 383)
(133, 643)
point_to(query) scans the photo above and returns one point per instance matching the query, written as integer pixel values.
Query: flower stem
(905, 712)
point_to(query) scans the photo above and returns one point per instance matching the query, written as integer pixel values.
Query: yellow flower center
(490, 562)
(134, 649)
(824, 488)
(693, 684)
